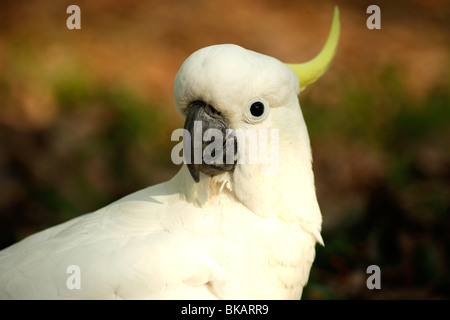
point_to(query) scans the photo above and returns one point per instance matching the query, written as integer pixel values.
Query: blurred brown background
(86, 117)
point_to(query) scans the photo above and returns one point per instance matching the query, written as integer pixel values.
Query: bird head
(224, 89)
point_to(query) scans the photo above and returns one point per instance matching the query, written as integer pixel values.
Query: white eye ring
(257, 111)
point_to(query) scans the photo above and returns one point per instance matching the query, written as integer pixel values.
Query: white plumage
(237, 234)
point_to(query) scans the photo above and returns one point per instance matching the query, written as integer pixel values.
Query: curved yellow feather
(308, 72)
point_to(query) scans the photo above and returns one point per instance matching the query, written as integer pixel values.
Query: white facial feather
(229, 78)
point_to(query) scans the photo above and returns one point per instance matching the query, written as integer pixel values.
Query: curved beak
(209, 145)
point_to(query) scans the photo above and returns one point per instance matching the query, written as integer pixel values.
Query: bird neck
(288, 193)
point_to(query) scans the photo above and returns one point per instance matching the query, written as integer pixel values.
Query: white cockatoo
(217, 230)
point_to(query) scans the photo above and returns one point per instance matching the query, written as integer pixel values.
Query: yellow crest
(310, 71)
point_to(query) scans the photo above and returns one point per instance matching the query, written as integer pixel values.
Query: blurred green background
(86, 117)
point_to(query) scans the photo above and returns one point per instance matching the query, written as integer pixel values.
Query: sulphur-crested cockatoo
(235, 229)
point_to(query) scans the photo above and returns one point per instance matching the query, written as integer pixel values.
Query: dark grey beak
(211, 146)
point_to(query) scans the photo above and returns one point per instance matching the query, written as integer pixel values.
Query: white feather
(237, 235)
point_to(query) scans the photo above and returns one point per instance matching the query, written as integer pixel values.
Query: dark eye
(257, 109)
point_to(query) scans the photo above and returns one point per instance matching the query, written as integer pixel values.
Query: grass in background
(403, 222)
(105, 141)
